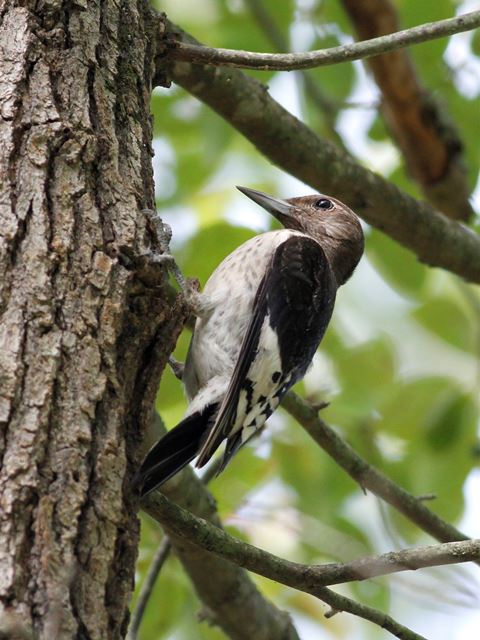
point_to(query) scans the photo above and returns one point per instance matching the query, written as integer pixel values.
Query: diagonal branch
(224, 588)
(429, 141)
(310, 579)
(304, 577)
(196, 54)
(367, 476)
(295, 148)
(159, 559)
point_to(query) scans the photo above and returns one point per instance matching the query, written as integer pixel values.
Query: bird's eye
(324, 204)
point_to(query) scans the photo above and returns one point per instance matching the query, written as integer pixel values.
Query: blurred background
(400, 362)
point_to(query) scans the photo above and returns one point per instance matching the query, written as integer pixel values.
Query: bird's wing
(291, 311)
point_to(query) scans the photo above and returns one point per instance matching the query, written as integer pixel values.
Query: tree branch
(295, 148)
(340, 603)
(429, 141)
(309, 579)
(196, 54)
(154, 569)
(224, 588)
(304, 577)
(160, 557)
(367, 476)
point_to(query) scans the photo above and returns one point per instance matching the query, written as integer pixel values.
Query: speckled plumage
(262, 315)
(231, 292)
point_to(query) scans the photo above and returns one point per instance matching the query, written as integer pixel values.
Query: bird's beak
(275, 206)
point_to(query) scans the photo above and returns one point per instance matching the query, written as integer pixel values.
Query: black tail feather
(174, 451)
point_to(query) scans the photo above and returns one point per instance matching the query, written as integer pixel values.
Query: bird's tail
(174, 451)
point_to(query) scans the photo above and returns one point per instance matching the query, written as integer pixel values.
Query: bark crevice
(83, 339)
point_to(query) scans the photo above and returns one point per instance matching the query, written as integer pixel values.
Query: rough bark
(84, 333)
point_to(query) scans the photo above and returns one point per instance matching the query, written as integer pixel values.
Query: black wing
(294, 301)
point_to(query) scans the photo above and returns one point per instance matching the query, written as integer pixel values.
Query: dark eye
(324, 204)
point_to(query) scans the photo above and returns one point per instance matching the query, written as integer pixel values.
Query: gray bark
(84, 334)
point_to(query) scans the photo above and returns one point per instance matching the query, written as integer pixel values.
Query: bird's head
(325, 219)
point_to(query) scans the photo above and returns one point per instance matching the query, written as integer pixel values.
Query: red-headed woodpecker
(260, 319)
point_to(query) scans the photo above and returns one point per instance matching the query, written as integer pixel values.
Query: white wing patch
(259, 393)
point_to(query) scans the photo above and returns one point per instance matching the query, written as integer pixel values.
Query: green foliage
(449, 320)
(213, 243)
(435, 423)
(405, 384)
(396, 264)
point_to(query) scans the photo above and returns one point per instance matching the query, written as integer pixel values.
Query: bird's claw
(177, 367)
(194, 299)
(161, 258)
(189, 286)
(163, 235)
(161, 229)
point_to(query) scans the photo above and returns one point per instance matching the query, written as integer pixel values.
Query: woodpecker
(260, 319)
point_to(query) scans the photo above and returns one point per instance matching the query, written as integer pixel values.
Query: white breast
(231, 291)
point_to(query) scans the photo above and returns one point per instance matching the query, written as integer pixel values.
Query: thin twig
(161, 554)
(308, 578)
(367, 476)
(295, 148)
(322, 57)
(342, 603)
(325, 104)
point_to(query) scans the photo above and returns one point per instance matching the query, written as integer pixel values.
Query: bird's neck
(341, 258)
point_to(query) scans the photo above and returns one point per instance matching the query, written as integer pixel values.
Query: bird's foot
(161, 230)
(177, 367)
(189, 286)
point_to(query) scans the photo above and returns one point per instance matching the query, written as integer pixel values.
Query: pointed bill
(275, 206)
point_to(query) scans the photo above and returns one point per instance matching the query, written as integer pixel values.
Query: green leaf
(204, 252)
(450, 425)
(378, 130)
(407, 410)
(438, 424)
(339, 83)
(318, 482)
(449, 321)
(396, 264)
(366, 373)
(245, 471)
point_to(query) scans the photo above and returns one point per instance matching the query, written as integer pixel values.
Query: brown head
(325, 219)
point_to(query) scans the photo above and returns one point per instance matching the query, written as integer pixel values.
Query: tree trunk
(84, 333)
